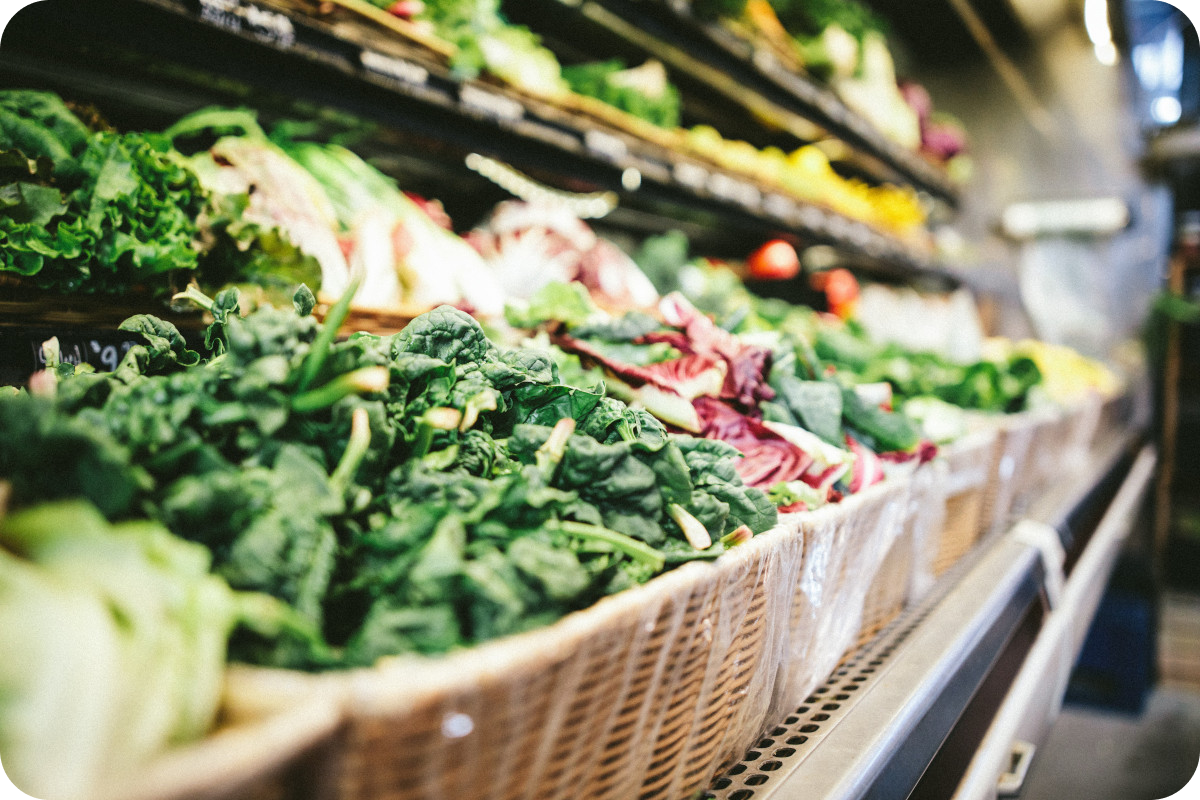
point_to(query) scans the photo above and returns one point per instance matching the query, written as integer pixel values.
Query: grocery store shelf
(904, 715)
(717, 60)
(190, 53)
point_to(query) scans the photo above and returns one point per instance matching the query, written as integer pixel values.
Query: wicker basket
(844, 544)
(646, 694)
(1015, 437)
(903, 575)
(1047, 456)
(1085, 424)
(888, 591)
(970, 469)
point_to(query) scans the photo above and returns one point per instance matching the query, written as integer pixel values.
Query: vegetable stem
(193, 293)
(551, 453)
(440, 418)
(739, 535)
(329, 331)
(356, 449)
(365, 380)
(637, 550)
(52, 352)
(693, 529)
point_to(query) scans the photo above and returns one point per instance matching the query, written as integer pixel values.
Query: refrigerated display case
(946, 694)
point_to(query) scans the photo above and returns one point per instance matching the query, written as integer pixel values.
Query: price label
(605, 145)
(813, 218)
(779, 206)
(690, 175)
(263, 24)
(859, 234)
(840, 227)
(490, 103)
(766, 61)
(733, 190)
(396, 69)
(875, 246)
(101, 355)
(802, 88)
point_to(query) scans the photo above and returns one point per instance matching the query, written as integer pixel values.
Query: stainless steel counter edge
(1036, 695)
(926, 683)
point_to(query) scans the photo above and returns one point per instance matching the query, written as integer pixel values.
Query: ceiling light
(1095, 19)
(1166, 110)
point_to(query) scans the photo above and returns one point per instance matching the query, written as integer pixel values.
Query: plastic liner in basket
(647, 694)
(970, 467)
(1016, 434)
(902, 569)
(1085, 423)
(844, 545)
(1049, 455)
(924, 523)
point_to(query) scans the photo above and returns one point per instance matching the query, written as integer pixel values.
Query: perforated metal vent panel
(797, 734)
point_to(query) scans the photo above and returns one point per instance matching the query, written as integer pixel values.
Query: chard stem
(635, 549)
(739, 535)
(440, 418)
(693, 529)
(193, 293)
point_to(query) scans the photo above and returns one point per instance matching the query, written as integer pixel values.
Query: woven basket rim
(880, 492)
(974, 440)
(399, 682)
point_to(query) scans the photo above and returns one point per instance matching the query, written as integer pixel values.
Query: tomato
(775, 260)
(406, 9)
(841, 290)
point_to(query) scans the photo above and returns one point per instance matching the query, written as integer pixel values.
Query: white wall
(1091, 148)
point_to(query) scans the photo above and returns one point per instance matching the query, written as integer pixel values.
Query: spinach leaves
(410, 493)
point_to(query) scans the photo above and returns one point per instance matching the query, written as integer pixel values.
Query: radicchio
(868, 468)
(747, 365)
(769, 458)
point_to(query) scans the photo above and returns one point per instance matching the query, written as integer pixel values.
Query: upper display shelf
(752, 74)
(354, 58)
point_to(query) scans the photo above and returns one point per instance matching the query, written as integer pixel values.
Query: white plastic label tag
(1054, 557)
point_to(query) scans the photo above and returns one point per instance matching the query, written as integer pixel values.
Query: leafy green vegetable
(40, 125)
(115, 642)
(120, 210)
(811, 17)
(643, 91)
(883, 431)
(661, 258)
(421, 491)
(814, 405)
(485, 40)
(568, 302)
(117, 213)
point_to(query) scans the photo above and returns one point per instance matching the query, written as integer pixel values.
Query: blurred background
(1088, 104)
